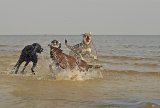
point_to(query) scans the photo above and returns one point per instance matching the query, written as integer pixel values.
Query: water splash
(47, 70)
(43, 72)
(77, 75)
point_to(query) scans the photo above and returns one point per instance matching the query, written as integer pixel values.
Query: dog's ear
(87, 34)
(59, 45)
(37, 48)
(34, 44)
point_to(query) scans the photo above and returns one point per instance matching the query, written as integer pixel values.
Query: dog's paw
(12, 71)
(32, 70)
(33, 73)
(83, 59)
(22, 72)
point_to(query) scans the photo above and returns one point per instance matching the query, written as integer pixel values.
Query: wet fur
(65, 61)
(28, 54)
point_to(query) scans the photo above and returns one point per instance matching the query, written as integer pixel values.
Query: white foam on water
(77, 75)
(74, 75)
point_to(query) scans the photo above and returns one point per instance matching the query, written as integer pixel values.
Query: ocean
(130, 76)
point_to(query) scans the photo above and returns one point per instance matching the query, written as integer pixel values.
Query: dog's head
(87, 38)
(54, 49)
(56, 44)
(37, 48)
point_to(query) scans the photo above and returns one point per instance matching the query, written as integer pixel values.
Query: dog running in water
(56, 44)
(65, 61)
(83, 48)
(29, 53)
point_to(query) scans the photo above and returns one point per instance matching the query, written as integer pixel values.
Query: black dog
(29, 53)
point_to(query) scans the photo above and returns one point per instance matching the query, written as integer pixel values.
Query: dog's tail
(67, 45)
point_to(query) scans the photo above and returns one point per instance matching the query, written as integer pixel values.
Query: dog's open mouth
(87, 39)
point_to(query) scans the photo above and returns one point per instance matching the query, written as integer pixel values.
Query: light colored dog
(83, 48)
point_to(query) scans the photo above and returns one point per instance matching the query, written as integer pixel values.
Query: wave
(147, 64)
(76, 75)
(4, 46)
(110, 67)
(127, 103)
(133, 61)
(11, 45)
(130, 72)
(129, 63)
(73, 75)
(122, 57)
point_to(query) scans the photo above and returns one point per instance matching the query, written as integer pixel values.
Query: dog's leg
(15, 67)
(32, 69)
(91, 55)
(78, 61)
(81, 56)
(34, 65)
(88, 66)
(50, 67)
(89, 51)
(24, 67)
(18, 65)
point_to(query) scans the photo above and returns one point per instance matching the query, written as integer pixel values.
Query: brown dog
(65, 61)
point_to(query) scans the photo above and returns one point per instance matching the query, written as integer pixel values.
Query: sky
(105, 17)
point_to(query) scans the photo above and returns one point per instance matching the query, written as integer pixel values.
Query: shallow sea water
(130, 76)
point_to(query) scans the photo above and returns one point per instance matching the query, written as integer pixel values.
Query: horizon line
(79, 34)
